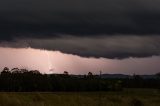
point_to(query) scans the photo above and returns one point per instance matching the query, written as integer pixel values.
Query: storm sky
(117, 30)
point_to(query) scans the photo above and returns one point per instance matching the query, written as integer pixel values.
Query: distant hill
(119, 76)
(115, 76)
(127, 76)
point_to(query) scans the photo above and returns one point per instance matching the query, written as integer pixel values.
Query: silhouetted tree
(15, 70)
(90, 74)
(23, 70)
(5, 70)
(34, 72)
(65, 73)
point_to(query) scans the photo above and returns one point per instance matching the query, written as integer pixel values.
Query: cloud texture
(98, 28)
(105, 46)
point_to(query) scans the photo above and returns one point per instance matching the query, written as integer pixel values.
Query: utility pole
(100, 73)
(100, 95)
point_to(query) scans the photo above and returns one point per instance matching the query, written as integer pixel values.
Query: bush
(136, 102)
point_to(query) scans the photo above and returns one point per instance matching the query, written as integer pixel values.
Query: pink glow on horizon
(59, 62)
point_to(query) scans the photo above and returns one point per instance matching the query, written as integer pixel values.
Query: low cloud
(114, 47)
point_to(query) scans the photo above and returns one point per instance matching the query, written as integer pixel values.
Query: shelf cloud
(91, 28)
(105, 46)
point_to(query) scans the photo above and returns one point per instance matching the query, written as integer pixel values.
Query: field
(128, 97)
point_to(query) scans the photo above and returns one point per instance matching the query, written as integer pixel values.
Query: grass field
(128, 97)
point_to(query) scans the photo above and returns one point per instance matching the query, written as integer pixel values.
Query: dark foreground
(128, 97)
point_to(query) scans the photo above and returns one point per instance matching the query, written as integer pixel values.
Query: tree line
(23, 80)
(32, 80)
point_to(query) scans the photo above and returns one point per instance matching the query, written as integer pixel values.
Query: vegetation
(22, 80)
(21, 87)
(127, 97)
(138, 82)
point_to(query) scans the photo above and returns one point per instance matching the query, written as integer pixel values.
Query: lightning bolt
(49, 61)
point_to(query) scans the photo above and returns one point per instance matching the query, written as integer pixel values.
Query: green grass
(128, 97)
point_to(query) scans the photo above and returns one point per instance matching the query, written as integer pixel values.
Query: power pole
(100, 95)
(100, 73)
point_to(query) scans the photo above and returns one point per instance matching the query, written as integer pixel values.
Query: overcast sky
(117, 30)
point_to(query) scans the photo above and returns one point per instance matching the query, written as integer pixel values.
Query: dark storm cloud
(118, 46)
(98, 28)
(78, 17)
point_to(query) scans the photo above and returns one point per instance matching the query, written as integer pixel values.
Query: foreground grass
(128, 97)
